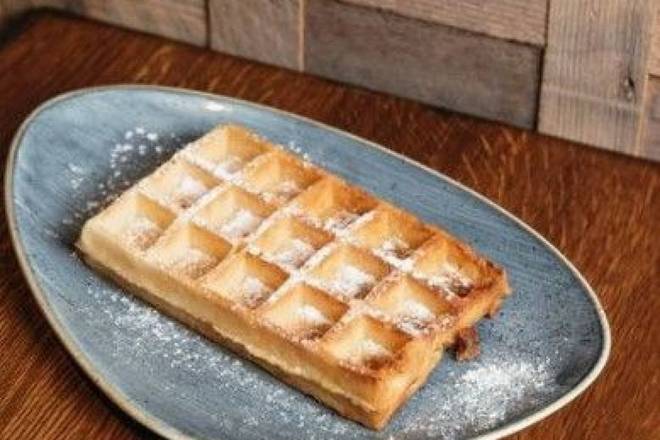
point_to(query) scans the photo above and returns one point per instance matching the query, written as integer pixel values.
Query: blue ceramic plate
(78, 150)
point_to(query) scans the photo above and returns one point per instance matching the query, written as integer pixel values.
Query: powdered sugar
(366, 350)
(395, 252)
(415, 318)
(122, 158)
(415, 309)
(310, 316)
(242, 223)
(394, 247)
(227, 167)
(339, 221)
(466, 400)
(350, 281)
(187, 191)
(77, 175)
(449, 278)
(143, 232)
(143, 341)
(294, 254)
(482, 395)
(292, 146)
(253, 291)
(192, 261)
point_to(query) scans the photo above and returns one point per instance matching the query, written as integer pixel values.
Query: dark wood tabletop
(600, 209)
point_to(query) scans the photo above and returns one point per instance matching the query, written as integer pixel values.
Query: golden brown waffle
(332, 290)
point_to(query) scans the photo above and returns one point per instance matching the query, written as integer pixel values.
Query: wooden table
(600, 209)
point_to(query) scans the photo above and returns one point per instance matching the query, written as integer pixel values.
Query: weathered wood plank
(654, 62)
(519, 20)
(595, 71)
(183, 20)
(432, 63)
(650, 145)
(269, 31)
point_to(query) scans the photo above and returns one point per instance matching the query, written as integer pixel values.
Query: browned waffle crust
(330, 289)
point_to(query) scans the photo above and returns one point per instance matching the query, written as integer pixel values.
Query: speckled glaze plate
(550, 341)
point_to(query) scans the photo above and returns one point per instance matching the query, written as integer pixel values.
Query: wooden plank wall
(572, 69)
(654, 62)
(182, 20)
(518, 20)
(650, 142)
(650, 146)
(595, 72)
(269, 31)
(432, 63)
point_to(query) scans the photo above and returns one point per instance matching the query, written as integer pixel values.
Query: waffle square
(332, 290)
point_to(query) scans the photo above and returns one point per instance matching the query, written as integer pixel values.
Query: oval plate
(548, 344)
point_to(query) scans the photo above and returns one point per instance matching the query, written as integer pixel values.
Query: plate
(77, 151)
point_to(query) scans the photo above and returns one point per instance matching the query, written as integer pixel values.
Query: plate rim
(160, 426)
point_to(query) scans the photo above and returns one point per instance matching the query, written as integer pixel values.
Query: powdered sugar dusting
(77, 175)
(187, 191)
(339, 221)
(294, 254)
(449, 278)
(292, 146)
(192, 261)
(242, 223)
(394, 245)
(227, 167)
(415, 318)
(350, 281)
(253, 291)
(481, 397)
(133, 147)
(367, 350)
(143, 232)
(415, 309)
(310, 316)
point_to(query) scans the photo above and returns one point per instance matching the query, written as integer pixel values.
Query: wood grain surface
(182, 20)
(519, 20)
(601, 209)
(650, 144)
(654, 62)
(432, 63)
(269, 31)
(595, 71)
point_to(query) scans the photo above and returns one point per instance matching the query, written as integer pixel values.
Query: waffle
(332, 290)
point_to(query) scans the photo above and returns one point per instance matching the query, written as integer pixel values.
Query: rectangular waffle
(330, 289)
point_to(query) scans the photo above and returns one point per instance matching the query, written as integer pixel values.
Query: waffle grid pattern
(331, 289)
(323, 263)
